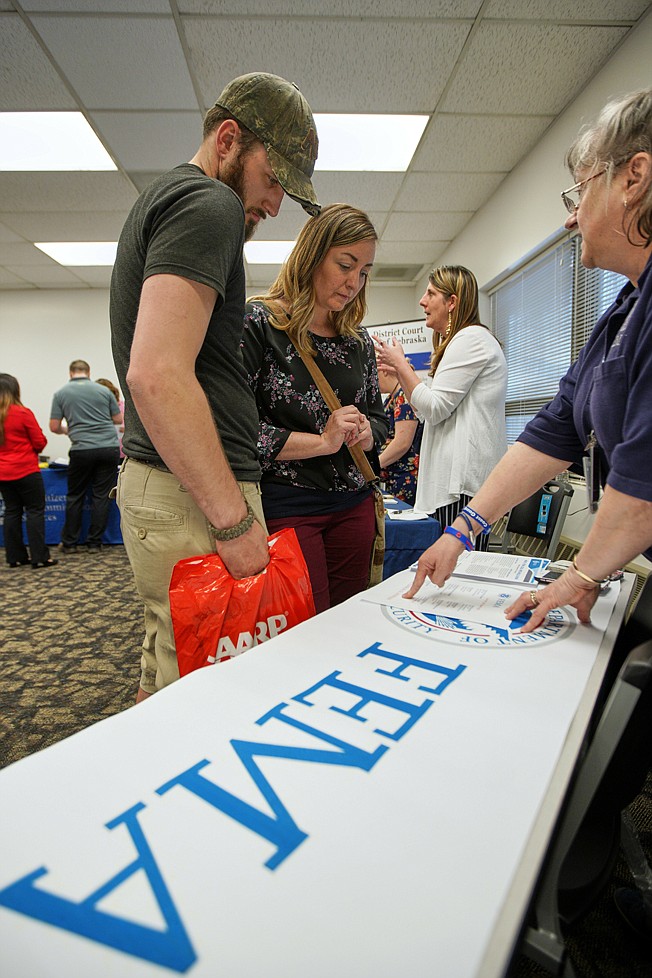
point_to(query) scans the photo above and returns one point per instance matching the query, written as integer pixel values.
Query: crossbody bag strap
(333, 403)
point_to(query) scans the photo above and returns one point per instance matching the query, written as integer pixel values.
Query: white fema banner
(350, 798)
(413, 336)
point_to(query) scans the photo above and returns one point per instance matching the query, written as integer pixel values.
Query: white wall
(41, 332)
(527, 209)
(391, 304)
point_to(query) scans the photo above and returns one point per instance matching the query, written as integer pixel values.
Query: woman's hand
(342, 428)
(570, 589)
(390, 355)
(363, 436)
(437, 563)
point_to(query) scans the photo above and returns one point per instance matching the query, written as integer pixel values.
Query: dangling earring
(450, 324)
(625, 203)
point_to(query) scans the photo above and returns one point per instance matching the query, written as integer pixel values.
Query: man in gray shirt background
(87, 412)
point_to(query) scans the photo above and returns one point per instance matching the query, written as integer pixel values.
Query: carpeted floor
(70, 637)
(70, 656)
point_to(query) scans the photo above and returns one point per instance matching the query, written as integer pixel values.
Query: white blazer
(463, 407)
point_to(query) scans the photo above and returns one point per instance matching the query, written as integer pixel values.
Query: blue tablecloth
(56, 487)
(405, 541)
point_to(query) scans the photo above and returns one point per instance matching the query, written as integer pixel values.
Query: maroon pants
(337, 550)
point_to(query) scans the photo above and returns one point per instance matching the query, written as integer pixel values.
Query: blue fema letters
(171, 947)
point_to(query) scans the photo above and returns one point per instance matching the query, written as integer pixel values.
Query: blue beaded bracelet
(460, 536)
(480, 520)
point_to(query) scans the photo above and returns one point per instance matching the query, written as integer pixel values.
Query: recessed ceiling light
(367, 142)
(267, 252)
(50, 141)
(80, 252)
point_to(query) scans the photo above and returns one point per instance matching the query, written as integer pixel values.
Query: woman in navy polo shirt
(603, 408)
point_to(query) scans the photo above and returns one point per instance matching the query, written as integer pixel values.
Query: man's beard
(234, 177)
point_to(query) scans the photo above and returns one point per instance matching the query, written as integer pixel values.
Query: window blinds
(543, 315)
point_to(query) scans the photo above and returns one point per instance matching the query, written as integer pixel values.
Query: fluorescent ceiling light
(267, 252)
(50, 141)
(368, 142)
(80, 252)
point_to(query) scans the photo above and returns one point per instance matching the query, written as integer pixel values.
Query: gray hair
(623, 128)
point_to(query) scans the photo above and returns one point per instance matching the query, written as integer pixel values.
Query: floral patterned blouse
(288, 401)
(400, 477)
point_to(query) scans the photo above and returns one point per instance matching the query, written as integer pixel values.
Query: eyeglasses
(568, 202)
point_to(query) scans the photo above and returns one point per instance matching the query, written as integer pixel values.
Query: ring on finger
(534, 598)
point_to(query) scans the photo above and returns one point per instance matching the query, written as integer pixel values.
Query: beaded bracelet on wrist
(233, 532)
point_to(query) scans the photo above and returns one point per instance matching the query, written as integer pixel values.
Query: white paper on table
(476, 601)
(500, 567)
(406, 515)
(481, 602)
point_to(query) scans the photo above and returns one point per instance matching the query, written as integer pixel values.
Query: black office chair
(583, 852)
(541, 516)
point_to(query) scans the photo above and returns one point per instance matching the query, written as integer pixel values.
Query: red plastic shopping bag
(215, 616)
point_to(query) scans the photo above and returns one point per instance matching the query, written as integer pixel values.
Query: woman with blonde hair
(310, 481)
(462, 403)
(21, 482)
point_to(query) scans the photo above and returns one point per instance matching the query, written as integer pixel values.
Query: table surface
(405, 540)
(508, 924)
(329, 783)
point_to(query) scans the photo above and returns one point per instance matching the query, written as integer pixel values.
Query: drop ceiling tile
(98, 276)
(446, 191)
(67, 225)
(23, 253)
(79, 191)
(285, 227)
(28, 81)
(580, 10)
(408, 252)
(97, 6)
(47, 277)
(336, 8)
(150, 140)
(523, 54)
(325, 61)
(10, 281)
(368, 191)
(104, 60)
(142, 180)
(425, 227)
(474, 143)
(7, 233)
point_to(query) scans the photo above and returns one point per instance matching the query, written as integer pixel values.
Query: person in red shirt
(21, 482)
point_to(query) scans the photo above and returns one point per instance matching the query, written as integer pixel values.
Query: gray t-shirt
(187, 224)
(88, 408)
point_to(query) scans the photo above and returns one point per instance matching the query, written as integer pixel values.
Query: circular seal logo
(457, 631)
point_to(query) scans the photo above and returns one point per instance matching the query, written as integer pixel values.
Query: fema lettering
(399, 693)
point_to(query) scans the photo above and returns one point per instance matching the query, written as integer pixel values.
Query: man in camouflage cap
(189, 482)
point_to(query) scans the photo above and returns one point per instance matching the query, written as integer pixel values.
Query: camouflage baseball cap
(277, 113)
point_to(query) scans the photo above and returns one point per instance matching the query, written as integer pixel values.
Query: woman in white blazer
(462, 403)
